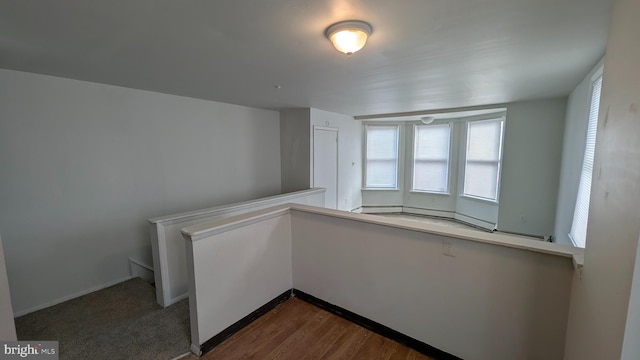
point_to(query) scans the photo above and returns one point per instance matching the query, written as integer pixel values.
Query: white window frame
(580, 219)
(413, 161)
(463, 152)
(366, 159)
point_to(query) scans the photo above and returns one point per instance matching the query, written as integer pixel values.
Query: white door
(325, 163)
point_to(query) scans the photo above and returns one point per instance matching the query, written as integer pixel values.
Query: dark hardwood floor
(298, 330)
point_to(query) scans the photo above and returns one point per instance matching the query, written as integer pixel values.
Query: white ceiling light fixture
(348, 36)
(427, 120)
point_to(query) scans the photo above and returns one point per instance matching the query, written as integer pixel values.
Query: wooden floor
(298, 330)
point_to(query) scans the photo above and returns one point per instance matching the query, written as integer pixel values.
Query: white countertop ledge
(234, 207)
(200, 231)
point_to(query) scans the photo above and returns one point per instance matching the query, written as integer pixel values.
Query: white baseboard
(357, 210)
(141, 270)
(69, 297)
(545, 238)
(475, 222)
(195, 350)
(428, 212)
(174, 300)
(182, 356)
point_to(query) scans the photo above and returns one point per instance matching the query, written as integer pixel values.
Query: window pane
(381, 174)
(382, 157)
(382, 142)
(484, 140)
(432, 142)
(483, 157)
(431, 157)
(430, 176)
(481, 180)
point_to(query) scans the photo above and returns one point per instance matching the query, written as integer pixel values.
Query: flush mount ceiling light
(348, 36)
(427, 120)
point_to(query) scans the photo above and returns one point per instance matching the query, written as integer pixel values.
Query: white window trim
(480, 199)
(447, 192)
(596, 76)
(463, 159)
(364, 157)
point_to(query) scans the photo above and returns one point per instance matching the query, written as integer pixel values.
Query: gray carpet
(119, 322)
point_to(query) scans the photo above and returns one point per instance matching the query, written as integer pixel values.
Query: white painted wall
(349, 155)
(295, 149)
(600, 299)
(85, 164)
(236, 270)
(7, 325)
(573, 145)
(531, 166)
(487, 302)
(631, 344)
(167, 243)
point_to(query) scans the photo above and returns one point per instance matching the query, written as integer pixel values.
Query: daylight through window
(431, 158)
(578, 232)
(483, 158)
(381, 161)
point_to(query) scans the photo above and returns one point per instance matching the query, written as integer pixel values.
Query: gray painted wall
(7, 325)
(295, 149)
(83, 165)
(573, 144)
(531, 167)
(600, 298)
(296, 136)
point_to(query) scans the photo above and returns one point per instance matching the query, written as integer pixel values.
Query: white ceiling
(422, 55)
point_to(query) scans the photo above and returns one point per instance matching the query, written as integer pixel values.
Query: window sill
(379, 189)
(481, 200)
(429, 193)
(574, 242)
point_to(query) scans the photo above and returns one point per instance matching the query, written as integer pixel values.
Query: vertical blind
(483, 157)
(382, 157)
(431, 158)
(578, 232)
